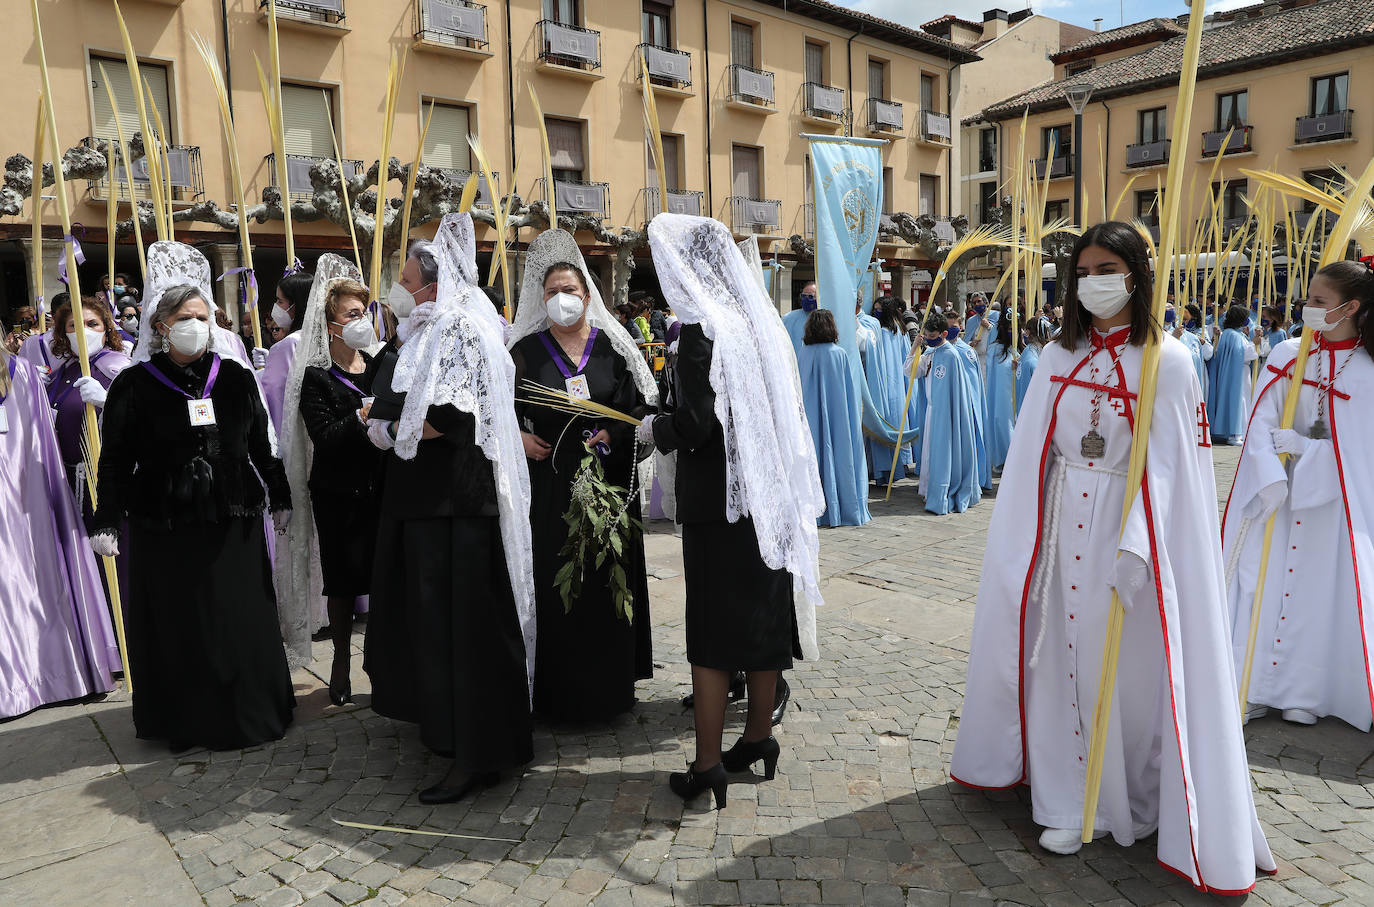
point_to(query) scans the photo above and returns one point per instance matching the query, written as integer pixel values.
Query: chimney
(994, 23)
(1097, 25)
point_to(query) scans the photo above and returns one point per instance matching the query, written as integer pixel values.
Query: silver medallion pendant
(1318, 430)
(1094, 445)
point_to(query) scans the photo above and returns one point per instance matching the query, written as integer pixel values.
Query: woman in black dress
(186, 438)
(589, 655)
(345, 470)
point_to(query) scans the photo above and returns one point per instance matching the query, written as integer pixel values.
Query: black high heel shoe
(689, 784)
(742, 756)
(340, 693)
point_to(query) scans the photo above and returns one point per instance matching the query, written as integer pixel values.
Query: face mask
(129, 322)
(1315, 318)
(877, 311)
(189, 337)
(120, 291)
(1192, 324)
(94, 340)
(564, 309)
(953, 334)
(358, 334)
(1103, 295)
(979, 309)
(1264, 323)
(281, 317)
(933, 342)
(401, 300)
(808, 302)
(1170, 317)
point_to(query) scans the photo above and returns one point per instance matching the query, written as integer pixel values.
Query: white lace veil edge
(459, 358)
(548, 249)
(296, 571)
(771, 469)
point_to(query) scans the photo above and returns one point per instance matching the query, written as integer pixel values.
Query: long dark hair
(820, 328)
(296, 288)
(1004, 328)
(890, 315)
(1355, 280)
(1236, 317)
(1122, 240)
(59, 344)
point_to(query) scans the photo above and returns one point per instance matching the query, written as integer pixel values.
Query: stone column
(224, 257)
(782, 286)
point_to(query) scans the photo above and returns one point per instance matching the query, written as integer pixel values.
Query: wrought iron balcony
(749, 85)
(1239, 142)
(579, 196)
(1060, 167)
(569, 45)
(298, 172)
(884, 116)
(1148, 154)
(329, 12)
(183, 169)
(680, 201)
(822, 102)
(667, 66)
(754, 215)
(1326, 128)
(935, 127)
(459, 177)
(453, 23)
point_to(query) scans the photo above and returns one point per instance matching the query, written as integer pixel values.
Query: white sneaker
(1064, 841)
(1254, 711)
(1299, 716)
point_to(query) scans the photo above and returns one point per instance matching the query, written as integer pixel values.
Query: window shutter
(745, 162)
(305, 120)
(446, 145)
(930, 188)
(126, 104)
(742, 44)
(815, 63)
(928, 93)
(876, 80)
(565, 144)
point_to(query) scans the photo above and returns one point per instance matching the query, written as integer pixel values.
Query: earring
(166, 343)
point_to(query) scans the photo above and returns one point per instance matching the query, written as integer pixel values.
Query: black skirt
(205, 647)
(444, 647)
(739, 612)
(346, 526)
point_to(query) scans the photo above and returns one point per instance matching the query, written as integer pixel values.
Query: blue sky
(1078, 12)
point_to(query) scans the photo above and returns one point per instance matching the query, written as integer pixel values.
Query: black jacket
(693, 430)
(345, 462)
(159, 470)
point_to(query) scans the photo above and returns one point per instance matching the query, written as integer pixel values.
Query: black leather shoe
(781, 697)
(737, 691)
(689, 784)
(340, 684)
(742, 756)
(451, 793)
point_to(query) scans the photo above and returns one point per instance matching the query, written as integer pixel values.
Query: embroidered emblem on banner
(938, 371)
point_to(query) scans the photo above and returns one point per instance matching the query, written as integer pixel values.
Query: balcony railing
(1061, 166)
(1301, 219)
(883, 115)
(666, 65)
(822, 102)
(935, 127)
(750, 86)
(1239, 142)
(754, 215)
(459, 177)
(455, 23)
(298, 172)
(1326, 128)
(327, 11)
(1147, 154)
(579, 197)
(680, 201)
(986, 164)
(183, 170)
(569, 45)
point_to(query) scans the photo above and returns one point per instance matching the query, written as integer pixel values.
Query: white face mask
(1103, 295)
(1315, 318)
(189, 337)
(281, 317)
(129, 323)
(94, 341)
(564, 309)
(358, 334)
(401, 300)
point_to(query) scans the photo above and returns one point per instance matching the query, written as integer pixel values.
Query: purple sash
(209, 381)
(5, 395)
(558, 354)
(343, 378)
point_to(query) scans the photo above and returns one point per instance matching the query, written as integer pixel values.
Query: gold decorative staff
(91, 442)
(1140, 439)
(226, 121)
(39, 134)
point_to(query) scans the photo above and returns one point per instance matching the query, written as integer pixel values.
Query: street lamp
(1077, 94)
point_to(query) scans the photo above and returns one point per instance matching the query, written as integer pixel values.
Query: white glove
(91, 391)
(644, 432)
(259, 358)
(1128, 576)
(1287, 441)
(105, 544)
(379, 433)
(280, 520)
(419, 317)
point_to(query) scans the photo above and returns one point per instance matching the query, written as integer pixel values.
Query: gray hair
(422, 251)
(175, 297)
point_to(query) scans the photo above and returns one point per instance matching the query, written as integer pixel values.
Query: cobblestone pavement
(861, 812)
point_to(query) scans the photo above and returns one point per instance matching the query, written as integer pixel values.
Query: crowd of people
(384, 458)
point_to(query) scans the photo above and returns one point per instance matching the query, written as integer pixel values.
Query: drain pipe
(228, 72)
(705, 95)
(849, 65)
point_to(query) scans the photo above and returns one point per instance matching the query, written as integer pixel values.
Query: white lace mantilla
(459, 358)
(770, 459)
(548, 249)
